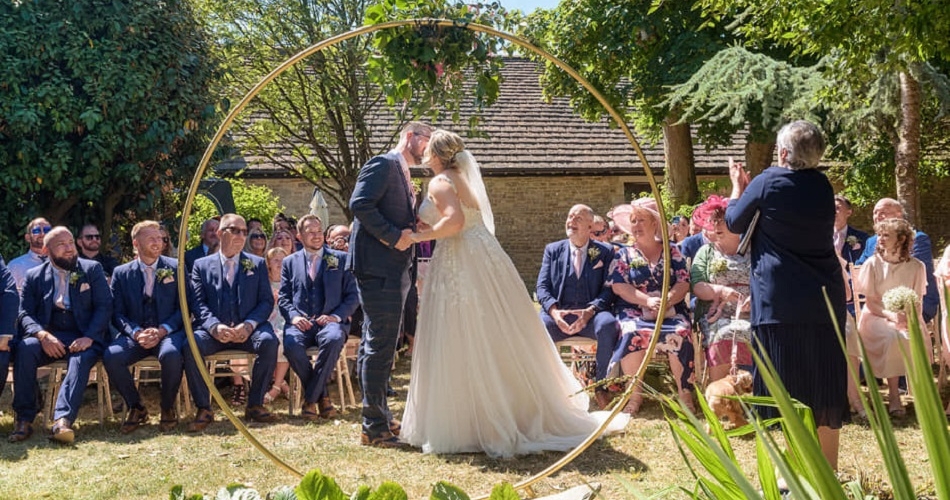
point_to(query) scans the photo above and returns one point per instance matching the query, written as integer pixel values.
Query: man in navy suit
(317, 297)
(209, 243)
(64, 309)
(9, 308)
(232, 301)
(147, 316)
(849, 242)
(571, 291)
(380, 253)
(889, 208)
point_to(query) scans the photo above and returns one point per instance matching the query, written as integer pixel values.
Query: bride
(485, 375)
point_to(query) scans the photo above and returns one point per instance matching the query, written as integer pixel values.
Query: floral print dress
(631, 267)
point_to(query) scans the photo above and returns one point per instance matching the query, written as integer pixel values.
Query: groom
(379, 256)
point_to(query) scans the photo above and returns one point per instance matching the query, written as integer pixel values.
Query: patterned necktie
(229, 271)
(312, 272)
(149, 280)
(61, 289)
(578, 262)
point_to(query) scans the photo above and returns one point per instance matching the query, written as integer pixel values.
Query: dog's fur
(730, 385)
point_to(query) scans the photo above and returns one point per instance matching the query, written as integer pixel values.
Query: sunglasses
(41, 229)
(92, 237)
(599, 233)
(235, 230)
(258, 236)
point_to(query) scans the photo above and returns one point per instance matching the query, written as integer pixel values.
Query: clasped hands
(232, 334)
(54, 348)
(581, 317)
(150, 337)
(724, 296)
(303, 323)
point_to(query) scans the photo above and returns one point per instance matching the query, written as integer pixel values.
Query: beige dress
(881, 340)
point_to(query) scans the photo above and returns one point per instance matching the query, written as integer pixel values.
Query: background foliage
(250, 201)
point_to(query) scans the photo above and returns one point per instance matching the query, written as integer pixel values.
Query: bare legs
(630, 364)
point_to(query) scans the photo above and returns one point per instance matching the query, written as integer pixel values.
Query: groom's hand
(404, 240)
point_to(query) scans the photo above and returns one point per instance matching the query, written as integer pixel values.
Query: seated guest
(275, 256)
(571, 291)
(679, 228)
(885, 332)
(599, 230)
(9, 308)
(232, 301)
(849, 242)
(255, 224)
(36, 255)
(692, 243)
(720, 280)
(338, 237)
(282, 238)
(168, 248)
(209, 243)
(889, 208)
(89, 242)
(147, 315)
(317, 297)
(943, 274)
(64, 309)
(636, 277)
(256, 242)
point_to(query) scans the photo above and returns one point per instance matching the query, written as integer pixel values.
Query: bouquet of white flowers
(899, 299)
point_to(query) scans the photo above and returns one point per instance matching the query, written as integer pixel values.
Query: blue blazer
(922, 251)
(89, 298)
(9, 301)
(254, 294)
(340, 295)
(191, 256)
(128, 283)
(557, 264)
(381, 205)
(849, 253)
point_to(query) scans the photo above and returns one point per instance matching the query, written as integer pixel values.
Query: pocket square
(168, 280)
(250, 273)
(599, 264)
(84, 287)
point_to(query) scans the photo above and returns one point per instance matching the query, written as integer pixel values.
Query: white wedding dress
(486, 376)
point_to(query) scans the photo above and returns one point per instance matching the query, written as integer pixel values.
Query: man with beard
(89, 242)
(65, 309)
(379, 256)
(36, 255)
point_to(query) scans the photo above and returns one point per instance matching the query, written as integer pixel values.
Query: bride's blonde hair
(444, 145)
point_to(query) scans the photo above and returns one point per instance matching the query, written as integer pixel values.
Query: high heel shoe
(633, 405)
(271, 394)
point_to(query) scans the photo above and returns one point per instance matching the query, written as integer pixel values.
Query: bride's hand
(422, 226)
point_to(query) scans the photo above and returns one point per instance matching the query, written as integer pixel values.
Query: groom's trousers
(383, 299)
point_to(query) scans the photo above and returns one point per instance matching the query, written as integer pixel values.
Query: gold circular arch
(525, 485)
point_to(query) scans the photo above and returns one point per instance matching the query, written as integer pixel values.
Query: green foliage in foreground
(316, 486)
(804, 469)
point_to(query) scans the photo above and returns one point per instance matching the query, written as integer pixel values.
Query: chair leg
(52, 391)
(294, 391)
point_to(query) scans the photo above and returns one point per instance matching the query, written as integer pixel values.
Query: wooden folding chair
(579, 354)
(98, 376)
(151, 365)
(343, 382)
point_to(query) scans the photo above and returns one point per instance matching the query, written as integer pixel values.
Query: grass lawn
(146, 464)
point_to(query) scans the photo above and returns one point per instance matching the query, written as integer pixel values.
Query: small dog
(730, 385)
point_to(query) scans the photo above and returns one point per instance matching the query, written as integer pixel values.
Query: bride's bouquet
(899, 299)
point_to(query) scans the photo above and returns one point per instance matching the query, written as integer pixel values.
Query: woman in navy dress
(636, 277)
(793, 260)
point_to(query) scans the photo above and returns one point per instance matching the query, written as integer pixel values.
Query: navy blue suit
(691, 244)
(851, 253)
(9, 308)
(249, 298)
(382, 207)
(923, 251)
(191, 256)
(134, 311)
(333, 292)
(90, 307)
(558, 286)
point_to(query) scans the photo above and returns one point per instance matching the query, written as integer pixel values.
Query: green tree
(631, 51)
(327, 115)
(103, 109)
(875, 45)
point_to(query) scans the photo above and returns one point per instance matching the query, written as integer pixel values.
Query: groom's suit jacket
(128, 290)
(255, 299)
(557, 264)
(89, 300)
(382, 207)
(338, 286)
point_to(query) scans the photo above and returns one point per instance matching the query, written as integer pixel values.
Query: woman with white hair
(793, 262)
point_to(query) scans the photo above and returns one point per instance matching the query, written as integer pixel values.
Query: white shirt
(20, 265)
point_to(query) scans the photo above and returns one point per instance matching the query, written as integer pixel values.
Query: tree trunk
(105, 228)
(758, 155)
(680, 169)
(907, 152)
(56, 210)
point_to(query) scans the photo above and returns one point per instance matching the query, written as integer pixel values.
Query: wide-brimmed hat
(621, 214)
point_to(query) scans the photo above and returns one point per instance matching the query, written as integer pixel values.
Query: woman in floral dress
(636, 277)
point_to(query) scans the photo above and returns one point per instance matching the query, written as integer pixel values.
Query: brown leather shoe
(136, 417)
(203, 419)
(168, 421)
(326, 408)
(602, 398)
(62, 432)
(259, 414)
(384, 440)
(22, 431)
(309, 412)
(395, 427)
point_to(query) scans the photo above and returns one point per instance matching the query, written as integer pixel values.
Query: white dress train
(486, 376)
